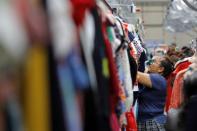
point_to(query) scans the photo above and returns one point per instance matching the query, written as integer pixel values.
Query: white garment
(123, 65)
(62, 26)
(87, 35)
(12, 33)
(64, 37)
(122, 61)
(127, 79)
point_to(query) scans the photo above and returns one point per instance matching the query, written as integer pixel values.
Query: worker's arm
(144, 79)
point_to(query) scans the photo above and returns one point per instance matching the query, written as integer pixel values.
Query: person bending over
(152, 95)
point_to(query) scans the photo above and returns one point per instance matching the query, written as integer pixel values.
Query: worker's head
(161, 65)
(186, 52)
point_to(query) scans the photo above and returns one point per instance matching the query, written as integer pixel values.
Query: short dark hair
(187, 52)
(184, 47)
(168, 66)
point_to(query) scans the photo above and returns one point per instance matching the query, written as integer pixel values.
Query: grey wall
(153, 14)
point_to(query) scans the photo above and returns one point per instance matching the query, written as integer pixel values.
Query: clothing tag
(135, 88)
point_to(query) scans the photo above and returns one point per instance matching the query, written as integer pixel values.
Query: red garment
(169, 91)
(114, 81)
(179, 67)
(79, 9)
(114, 122)
(177, 93)
(131, 122)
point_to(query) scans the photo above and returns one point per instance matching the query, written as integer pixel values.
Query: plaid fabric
(139, 48)
(150, 125)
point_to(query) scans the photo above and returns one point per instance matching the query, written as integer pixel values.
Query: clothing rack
(123, 5)
(108, 5)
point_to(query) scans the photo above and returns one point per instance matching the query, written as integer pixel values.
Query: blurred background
(71, 65)
(165, 22)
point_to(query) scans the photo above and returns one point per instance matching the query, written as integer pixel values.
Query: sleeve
(158, 82)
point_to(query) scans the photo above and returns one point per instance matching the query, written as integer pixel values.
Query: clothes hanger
(107, 12)
(107, 4)
(124, 41)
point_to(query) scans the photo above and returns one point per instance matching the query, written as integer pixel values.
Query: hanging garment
(81, 6)
(131, 121)
(131, 36)
(114, 122)
(142, 60)
(114, 81)
(115, 42)
(13, 36)
(56, 101)
(10, 113)
(36, 90)
(91, 98)
(87, 36)
(126, 73)
(36, 77)
(179, 66)
(133, 66)
(14, 115)
(62, 27)
(139, 48)
(111, 36)
(127, 80)
(70, 105)
(91, 109)
(126, 29)
(34, 19)
(177, 91)
(133, 51)
(74, 81)
(78, 70)
(184, 118)
(102, 74)
(121, 108)
(136, 43)
(170, 81)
